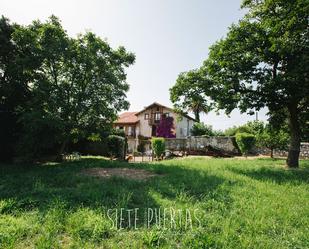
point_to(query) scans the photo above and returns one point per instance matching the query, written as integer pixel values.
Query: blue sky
(167, 37)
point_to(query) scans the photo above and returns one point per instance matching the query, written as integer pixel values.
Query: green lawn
(232, 203)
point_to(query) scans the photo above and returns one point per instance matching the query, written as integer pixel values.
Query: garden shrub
(201, 129)
(116, 146)
(272, 139)
(142, 146)
(252, 127)
(90, 147)
(96, 148)
(158, 146)
(118, 132)
(245, 142)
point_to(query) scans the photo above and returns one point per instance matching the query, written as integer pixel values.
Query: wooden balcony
(153, 121)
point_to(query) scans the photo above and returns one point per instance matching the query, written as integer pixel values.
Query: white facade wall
(183, 126)
(144, 128)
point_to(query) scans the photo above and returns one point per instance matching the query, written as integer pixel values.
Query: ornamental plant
(245, 142)
(158, 146)
(166, 128)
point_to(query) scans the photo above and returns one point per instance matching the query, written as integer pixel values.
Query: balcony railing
(153, 121)
(131, 134)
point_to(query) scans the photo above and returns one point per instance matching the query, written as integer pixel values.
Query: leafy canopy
(186, 94)
(77, 85)
(272, 138)
(202, 129)
(264, 62)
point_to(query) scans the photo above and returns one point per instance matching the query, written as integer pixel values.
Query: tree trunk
(61, 150)
(294, 149)
(197, 116)
(271, 152)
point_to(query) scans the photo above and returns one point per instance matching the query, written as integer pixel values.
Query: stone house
(143, 124)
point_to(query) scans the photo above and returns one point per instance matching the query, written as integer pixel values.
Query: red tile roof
(127, 118)
(168, 108)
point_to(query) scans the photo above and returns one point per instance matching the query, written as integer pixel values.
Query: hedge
(116, 146)
(158, 146)
(245, 142)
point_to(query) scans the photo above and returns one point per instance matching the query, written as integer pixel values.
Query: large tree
(264, 61)
(7, 117)
(78, 85)
(17, 69)
(186, 94)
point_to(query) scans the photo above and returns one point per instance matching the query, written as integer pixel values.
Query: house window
(185, 132)
(121, 128)
(157, 116)
(130, 133)
(166, 115)
(146, 116)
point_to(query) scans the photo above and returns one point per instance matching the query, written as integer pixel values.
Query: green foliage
(88, 225)
(118, 132)
(264, 53)
(74, 215)
(202, 129)
(77, 85)
(40, 136)
(94, 137)
(255, 127)
(186, 96)
(153, 239)
(272, 138)
(158, 146)
(267, 136)
(236, 129)
(245, 142)
(199, 239)
(116, 146)
(218, 133)
(95, 148)
(16, 72)
(252, 127)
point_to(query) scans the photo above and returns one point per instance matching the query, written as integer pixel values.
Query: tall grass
(239, 204)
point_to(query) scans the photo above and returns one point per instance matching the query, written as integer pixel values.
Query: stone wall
(224, 144)
(304, 151)
(191, 144)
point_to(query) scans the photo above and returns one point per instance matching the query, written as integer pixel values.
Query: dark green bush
(116, 146)
(201, 129)
(273, 138)
(96, 148)
(158, 146)
(252, 127)
(245, 142)
(118, 132)
(141, 147)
